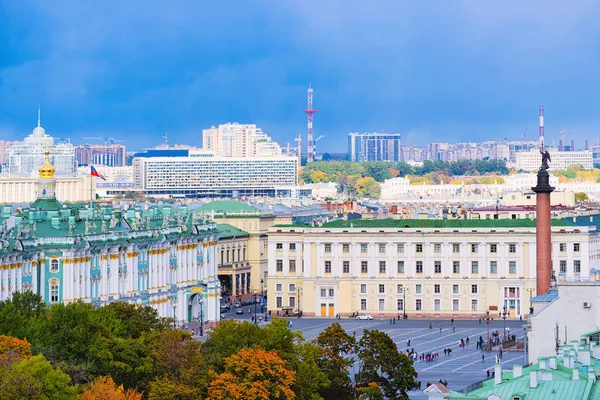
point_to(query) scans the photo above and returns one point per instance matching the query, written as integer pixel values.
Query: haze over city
(135, 72)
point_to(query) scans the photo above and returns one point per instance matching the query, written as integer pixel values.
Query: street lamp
(255, 299)
(504, 318)
(488, 320)
(201, 312)
(174, 304)
(261, 295)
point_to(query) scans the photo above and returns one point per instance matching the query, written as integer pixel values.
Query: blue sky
(432, 70)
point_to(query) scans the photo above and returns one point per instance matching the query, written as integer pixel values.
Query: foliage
(581, 196)
(381, 363)
(370, 392)
(13, 349)
(36, 378)
(104, 388)
(17, 312)
(253, 374)
(575, 174)
(336, 344)
(368, 187)
(346, 174)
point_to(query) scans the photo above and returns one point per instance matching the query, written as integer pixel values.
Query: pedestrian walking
(453, 328)
(488, 374)
(430, 325)
(482, 358)
(467, 340)
(440, 329)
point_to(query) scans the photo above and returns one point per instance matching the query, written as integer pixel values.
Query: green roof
(592, 333)
(228, 231)
(438, 223)
(227, 207)
(46, 204)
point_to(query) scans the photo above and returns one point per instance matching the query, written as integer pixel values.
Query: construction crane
(315, 145)
(299, 151)
(522, 139)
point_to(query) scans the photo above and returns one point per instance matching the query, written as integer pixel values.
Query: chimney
(543, 364)
(572, 145)
(533, 381)
(552, 362)
(586, 144)
(575, 374)
(517, 371)
(497, 374)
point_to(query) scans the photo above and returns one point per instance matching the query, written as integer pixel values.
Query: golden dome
(47, 169)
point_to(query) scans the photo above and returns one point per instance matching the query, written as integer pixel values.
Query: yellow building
(437, 268)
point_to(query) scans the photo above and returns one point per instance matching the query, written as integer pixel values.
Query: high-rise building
(24, 158)
(374, 146)
(239, 140)
(4, 144)
(201, 174)
(112, 155)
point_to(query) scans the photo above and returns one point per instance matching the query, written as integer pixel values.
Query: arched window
(54, 265)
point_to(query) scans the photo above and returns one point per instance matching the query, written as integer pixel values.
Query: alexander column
(542, 226)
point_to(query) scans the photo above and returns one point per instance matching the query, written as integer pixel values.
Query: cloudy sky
(431, 70)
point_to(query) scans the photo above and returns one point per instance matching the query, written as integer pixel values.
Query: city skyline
(386, 67)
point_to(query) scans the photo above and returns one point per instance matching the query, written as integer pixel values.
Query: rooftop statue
(545, 159)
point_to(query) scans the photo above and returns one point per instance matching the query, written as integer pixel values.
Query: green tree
(381, 363)
(378, 170)
(336, 344)
(326, 157)
(16, 313)
(368, 187)
(36, 378)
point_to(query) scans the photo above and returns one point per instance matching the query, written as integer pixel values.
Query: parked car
(364, 316)
(237, 304)
(239, 311)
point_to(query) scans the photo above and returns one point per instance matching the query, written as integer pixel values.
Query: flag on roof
(93, 172)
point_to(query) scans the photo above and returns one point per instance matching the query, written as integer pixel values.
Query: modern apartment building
(532, 160)
(239, 140)
(426, 268)
(374, 146)
(204, 175)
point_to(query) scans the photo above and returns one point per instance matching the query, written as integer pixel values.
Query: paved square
(464, 367)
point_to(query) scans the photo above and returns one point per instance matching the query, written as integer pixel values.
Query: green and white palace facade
(158, 256)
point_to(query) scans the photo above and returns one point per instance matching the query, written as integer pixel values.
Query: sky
(444, 70)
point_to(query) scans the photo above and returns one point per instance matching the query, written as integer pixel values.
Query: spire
(39, 122)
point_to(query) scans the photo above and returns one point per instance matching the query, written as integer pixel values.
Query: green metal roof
(228, 231)
(596, 332)
(439, 223)
(46, 204)
(227, 207)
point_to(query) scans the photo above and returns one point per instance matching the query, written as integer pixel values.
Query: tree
(17, 312)
(581, 196)
(104, 388)
(381, 363)
(336, 344)
(370, 392)
(318, 176)
(326, 157)
(36, 378)
(253, 374)
(368, 187)
(13, 350)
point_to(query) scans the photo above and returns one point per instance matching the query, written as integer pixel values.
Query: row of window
(437, 305)
(240, 256)
(418, 289)
(437, 267)
(437, 247)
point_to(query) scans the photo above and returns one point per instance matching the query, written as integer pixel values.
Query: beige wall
(343, 291)
(23, 190)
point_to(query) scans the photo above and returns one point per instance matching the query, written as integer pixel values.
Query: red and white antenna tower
(309, 111)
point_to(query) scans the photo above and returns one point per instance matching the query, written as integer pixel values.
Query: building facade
(69, 189)
(158, 256)
(111, 155)
(215, 176)
(426, 268)
(24, 158)
(374, 147)
(239, 140)
(531, 160)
